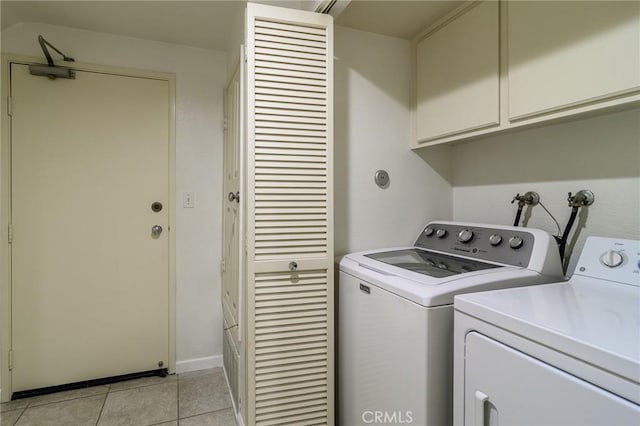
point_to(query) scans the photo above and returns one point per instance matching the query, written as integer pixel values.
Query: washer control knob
(428, 231)
(515, 242)
(465, 236)
(441, 233)
(495, 239)
(612, 258)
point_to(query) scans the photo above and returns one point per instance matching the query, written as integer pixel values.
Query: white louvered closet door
(289, 217)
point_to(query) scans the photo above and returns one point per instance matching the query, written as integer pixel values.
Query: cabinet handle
(480, 399)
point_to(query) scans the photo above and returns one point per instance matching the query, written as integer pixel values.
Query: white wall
(600, 153)
(200, 78)
(372, 131)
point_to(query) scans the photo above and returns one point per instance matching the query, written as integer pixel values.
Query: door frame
(5, 205)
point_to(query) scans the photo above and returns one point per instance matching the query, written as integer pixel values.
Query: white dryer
(558, 354)
(395, 315)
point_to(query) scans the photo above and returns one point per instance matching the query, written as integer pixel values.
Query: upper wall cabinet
(457, 79)
(492, 66)
(565, 54)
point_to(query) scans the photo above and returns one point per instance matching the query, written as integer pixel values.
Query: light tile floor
(197, 398)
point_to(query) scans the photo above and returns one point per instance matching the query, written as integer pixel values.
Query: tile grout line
(138, 387)
(103, 404)
(21, 414)
(62, 400)
(208, 412)
(178, 399)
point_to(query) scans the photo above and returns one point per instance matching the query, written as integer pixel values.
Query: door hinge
(9, 106)
(10, 359)
(225, 124)
(10, 234)
(223, 266)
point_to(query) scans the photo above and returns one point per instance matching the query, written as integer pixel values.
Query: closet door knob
(293, 266)
(234, 197)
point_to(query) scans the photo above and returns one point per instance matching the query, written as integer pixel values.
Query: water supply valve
(583, 198)
(531, 198)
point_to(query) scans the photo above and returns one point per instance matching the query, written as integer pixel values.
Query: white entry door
(90, 273)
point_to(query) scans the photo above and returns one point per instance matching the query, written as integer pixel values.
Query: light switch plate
(188, 200)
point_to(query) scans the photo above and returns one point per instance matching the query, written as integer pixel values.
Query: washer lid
(429, 263)
(593, 320)
(426, 267)
(427, 290)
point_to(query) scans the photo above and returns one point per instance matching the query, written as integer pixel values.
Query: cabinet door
(457, 74)
(289, 216)
(231, 247)
(507, 387)
(564, 53)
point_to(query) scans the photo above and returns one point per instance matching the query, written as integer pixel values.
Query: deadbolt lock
(156, 207)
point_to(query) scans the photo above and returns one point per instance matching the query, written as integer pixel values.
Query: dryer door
(507, 387)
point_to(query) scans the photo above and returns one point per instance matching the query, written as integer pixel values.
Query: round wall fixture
(381, 178)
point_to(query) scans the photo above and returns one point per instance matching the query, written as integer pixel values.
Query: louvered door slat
(289, 38)
(290, 413)
(289, 196)
(293, 95)
(288, 185)
(293, 420)
(280, 74)
(279, 107)
(287, 118)
(283, 343)
(294, 35)
(279, 369)
(268, 350)
(282, 401)
(270, 21)
(288, 60)
(285, 406)
(292, 192)
(285, 44)
(290, 103)
(310, 75)
(284, 122)
(291, 114)
(303, 58)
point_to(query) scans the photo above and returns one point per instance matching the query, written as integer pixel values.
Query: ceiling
(207, 24)
(398, 18)
(211, 24)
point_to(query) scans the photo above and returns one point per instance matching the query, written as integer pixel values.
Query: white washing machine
(395, 315)
(558, 354)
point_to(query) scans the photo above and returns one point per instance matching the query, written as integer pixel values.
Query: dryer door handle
(480, 399)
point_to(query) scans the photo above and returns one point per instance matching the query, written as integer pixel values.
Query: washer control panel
(508, 245)
(612, 259)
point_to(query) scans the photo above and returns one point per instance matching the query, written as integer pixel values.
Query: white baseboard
(187, 365)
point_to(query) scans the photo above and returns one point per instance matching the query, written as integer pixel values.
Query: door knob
(293, 266)
(156, 230)
(234, 197)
